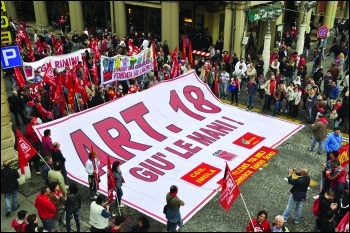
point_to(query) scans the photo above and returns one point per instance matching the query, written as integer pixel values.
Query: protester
(343, 204)
(142, 225)
(46, 167)
(278, 225)
(99, 214)
(119, 180)
(9, 187)
(46, 209)
(35, 141)
(337, 178)
(319, 133)
(72, 206)
(91, 170)
(327, 223)
(55, 175)
(117, 223)
(58, 156)
(300, 181)
(251, 88)
(260, 223)
(33, 226)
(47, 142)
(173, 215)
(333, 142)
(20, 223)
(16, 107)
(56, 198)
(234, 89)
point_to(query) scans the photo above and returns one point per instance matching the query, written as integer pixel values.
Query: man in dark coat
(57, 155)
(9, 187)
(16, 107)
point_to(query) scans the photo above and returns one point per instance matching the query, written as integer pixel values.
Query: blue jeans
(336, 123)
(224, 89)
(47, 224)
(278, 106)
(69, 216)
(119, 192)
(250, 103)
(320, 144)
(11, 200)
(298, 207)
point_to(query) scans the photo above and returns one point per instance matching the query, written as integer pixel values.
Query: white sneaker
(121, 205)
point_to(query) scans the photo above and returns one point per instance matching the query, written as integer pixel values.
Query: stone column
(40, 13)
(76, 16)
(111, 7)
(346, 13)
(120, 18)
(300, 15)
(228, 29)
(330, 11)
(11, 9)
(308, 19)
(267, 43)
(238, 31)
(170, 23)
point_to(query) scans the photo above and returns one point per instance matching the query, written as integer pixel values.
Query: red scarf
(173, 194)
(337, 106)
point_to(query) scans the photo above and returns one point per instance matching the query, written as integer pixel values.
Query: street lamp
(271, 15)
(305, 9)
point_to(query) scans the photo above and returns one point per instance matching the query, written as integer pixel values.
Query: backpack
(316, 207)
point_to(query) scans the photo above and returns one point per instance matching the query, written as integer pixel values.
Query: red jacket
(19, 227)
(46, 209)
(46, 143)
(336, 177)
(265, 225)
(31, 135)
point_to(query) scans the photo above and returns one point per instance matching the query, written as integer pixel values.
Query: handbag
(165, 209)
(333, 115)
(60, 208)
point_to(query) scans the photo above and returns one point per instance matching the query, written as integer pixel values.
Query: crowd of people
(287, 84)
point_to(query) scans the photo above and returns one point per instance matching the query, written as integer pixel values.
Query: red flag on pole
(343, 225)
(183, 50)
(53, 40)
(133, 50)
(25, 150)
(154, 55)
(110, 181)
(94, 72)
(229, 190)
(49, 76)
(19, 77)
(190, 55)
(95, 168)
(174, 69)
(58, 91)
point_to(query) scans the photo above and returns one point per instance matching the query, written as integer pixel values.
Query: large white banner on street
(123, 67)
(174, 133)
(60, 62)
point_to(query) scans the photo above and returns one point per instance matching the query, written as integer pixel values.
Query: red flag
(23, 36)
(49, 76)
(43, 112)
(110, 181)
(62, 106)
(154, 55)
(70, 87)
(343, 225)
(344, 155)
(183, 50)
(40, 47)
(95, 168)
(57, 94)
(19, 77)
(229, 190)
(175, 68)
(216, 86)
(85, 72)
(25, 150)
(133, 50)
(58, 47)
(94, 72)
(190, 55)
(53, 40)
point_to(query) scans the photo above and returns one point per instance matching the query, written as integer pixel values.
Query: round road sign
(322, 32)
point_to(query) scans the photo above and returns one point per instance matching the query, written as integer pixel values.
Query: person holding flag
(119, 180)
(91, 167)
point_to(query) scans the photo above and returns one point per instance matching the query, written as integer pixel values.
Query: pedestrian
(173, 211)
(333, 142)
(91, 167)
(278, 225)
(9, 187)
(46, 167)
(300, 181)
(260, 223)
(58, 156)
(234, 89)
(319, 133)
(16, 107)
(269, 88)
(279, 95)
(251, 88)
(33, 226)
(327, 224)
(117, 223)
(55, 175)
(47, 142)
(343, 204)
(224, 78)
(142, 225)
(72, 206)
(20, 223)
(46, 209)
(337, 178)
(99, 214)
(119, 180)
(56, 198)
(35, 141)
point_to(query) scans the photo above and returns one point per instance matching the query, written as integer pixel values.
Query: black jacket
(325, 206)
(300, 185)
(16, 104)
(57, 155)
(9, 182)
(73, 203)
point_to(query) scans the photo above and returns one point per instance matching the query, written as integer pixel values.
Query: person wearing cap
(16, 107)
(35, 141)
(37, 77)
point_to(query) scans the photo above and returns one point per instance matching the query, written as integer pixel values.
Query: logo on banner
(248, 140)
(24, 147)
(201, 174)
(222, 154)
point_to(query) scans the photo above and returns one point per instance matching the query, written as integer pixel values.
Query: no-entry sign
(322, 32)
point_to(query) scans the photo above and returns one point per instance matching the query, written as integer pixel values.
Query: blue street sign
(10, 57)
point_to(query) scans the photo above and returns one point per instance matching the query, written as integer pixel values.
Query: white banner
(125, 67)
(170, 134)
(60, 62)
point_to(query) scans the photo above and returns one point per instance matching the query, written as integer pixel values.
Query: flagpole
(44, 160)
(246, 209)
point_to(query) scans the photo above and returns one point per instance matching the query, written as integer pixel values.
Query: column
(120, 19)
(301, 29)
(111, 7)
(10, 9)
(40, 13)
(228, 27)
(266, 51)
(170, 23)
(238, 29)
(346, 13)
(300, 15)
(330, 11)
(7, 136)
(308, 19)
(76, 16)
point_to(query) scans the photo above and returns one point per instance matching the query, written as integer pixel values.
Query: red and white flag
(133, 50)
(49, 76)
(25, 150)
(110, 181)
(343, 225)
(58, 91)
(154, 54)
(175, 69)
(190, 55)
(229, 190)
(19, 77)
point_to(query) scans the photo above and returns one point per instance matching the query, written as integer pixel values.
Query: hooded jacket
(319, 129)
(333, 142)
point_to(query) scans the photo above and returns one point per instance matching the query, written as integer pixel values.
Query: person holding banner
(173, 211)
(9, 187)
(119, 180)
(91, 170)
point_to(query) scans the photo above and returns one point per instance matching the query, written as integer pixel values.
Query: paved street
(266, 189)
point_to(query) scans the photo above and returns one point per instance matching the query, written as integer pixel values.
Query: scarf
(173, 194)
(337, 106)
